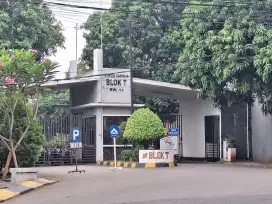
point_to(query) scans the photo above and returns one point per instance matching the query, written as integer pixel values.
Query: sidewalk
(249, 164)
(2, 185)
(22, 188)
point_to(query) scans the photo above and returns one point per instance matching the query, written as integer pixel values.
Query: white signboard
(169, 144)
(116, 86)
(74, 145)
(155, 156)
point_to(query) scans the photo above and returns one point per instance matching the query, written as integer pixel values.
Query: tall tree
(227, 51)
(154, 56)
(26, 24)
(21, 77)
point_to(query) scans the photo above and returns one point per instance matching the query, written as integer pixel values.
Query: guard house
(105, 94)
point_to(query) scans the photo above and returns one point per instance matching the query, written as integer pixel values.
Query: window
(109, 121)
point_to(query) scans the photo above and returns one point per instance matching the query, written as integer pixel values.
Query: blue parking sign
(76, 135)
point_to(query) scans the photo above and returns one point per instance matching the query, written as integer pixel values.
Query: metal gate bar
(57, 131)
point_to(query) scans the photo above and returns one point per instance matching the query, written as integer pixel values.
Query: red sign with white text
(155, 156)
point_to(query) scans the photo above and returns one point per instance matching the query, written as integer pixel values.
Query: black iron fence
(57, 131)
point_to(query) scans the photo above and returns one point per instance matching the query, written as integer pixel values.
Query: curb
(23, 188)
(249, 165)
(136, 165)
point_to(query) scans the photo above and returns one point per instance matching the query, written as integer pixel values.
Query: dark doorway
(212, 137)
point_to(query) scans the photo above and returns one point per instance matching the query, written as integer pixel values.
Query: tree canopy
(21, 77)
(28, 24)
(227, 52)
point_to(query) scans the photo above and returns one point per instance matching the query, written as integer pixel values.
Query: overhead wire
(156, 2)
(97, 8)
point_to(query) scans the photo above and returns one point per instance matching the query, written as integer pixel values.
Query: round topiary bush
(143, 125)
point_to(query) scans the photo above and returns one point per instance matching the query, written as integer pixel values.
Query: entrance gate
(212, 138)
(57, 132)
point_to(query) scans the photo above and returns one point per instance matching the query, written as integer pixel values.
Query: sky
(69, 17)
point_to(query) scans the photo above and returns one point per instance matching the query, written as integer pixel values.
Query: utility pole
(101, 24)
(76, 39)
(130, 66)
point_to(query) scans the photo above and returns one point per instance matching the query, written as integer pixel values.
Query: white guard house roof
(141, 87)
(145, 87)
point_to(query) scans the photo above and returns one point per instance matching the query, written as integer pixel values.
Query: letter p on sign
(75, 135)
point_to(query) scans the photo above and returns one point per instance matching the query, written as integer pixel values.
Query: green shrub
(133, 154)
(144, 125)
(30, 149)
(127, 154)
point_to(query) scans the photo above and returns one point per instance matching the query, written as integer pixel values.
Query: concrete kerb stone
(23, 188)
(136, 165)
(248, 165)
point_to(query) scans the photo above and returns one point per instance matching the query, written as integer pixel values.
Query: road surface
(186, 184)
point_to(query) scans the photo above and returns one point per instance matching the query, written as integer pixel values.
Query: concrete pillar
(99, 134)
(97, 60)
(98, 66)
(73, 69)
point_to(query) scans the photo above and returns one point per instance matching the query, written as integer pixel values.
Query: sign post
(170, 143)
(76, 144)
(114, 133)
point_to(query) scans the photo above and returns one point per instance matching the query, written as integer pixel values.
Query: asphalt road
(186, 184)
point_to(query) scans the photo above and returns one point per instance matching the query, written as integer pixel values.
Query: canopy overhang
(141, 87)
(145, 87)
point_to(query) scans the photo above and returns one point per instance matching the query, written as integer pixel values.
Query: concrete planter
(23, 174)
(229, 154)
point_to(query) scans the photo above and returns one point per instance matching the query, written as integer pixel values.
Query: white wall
(261, 135)
(193, 126)
(116, 86)
(116, 111)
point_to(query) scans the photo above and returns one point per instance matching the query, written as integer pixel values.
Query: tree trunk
(14, 159)
(5, 173)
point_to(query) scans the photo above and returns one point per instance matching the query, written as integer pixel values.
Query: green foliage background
(55, 103)
(29, 24)
(227, 51)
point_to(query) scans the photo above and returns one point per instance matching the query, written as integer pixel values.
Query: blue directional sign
(173, 132)
(76, 135)
(114, 131)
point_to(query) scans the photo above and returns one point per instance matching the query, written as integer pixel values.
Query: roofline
(93, 105)
(160, 83)
(68, 82)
